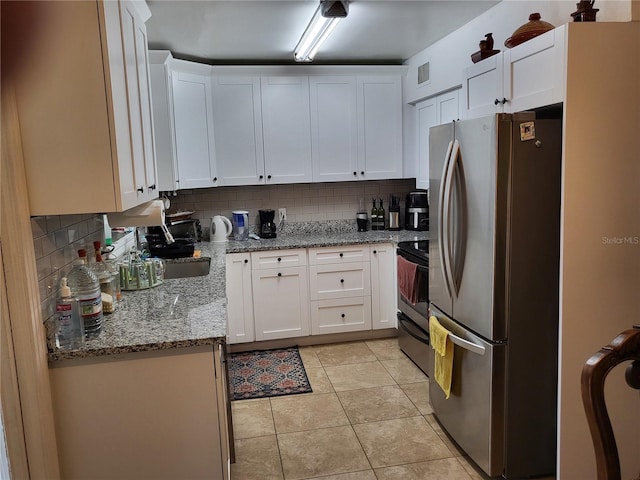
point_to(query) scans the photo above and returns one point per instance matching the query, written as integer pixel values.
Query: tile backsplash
(304, 202)
(56, 240)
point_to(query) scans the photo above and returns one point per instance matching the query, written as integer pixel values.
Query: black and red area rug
(267, 373)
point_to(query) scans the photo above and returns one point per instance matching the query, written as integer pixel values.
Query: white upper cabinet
(193, 117)
(527, 76)
(482, 87)
(534, 72)
(163, 123)
(427, 117)
(334, 128)
(84, 106)
(443, 108)
(379, 127)
(286, 129)
(237, 127)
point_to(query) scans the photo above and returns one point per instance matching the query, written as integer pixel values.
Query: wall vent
(423, 73)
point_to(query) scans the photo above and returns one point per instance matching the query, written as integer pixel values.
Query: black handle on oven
(423, 269)
(407, 328)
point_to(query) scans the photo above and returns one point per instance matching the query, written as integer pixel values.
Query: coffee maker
(417, 211)
(267, 225)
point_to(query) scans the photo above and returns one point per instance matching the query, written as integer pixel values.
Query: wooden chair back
(626, 346)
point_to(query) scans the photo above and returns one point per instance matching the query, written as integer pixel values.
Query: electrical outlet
(282, 214)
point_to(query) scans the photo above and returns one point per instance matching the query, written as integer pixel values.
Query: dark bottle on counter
(381, 215)
(374, 215)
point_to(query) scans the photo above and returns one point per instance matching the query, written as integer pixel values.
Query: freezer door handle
(466, 344)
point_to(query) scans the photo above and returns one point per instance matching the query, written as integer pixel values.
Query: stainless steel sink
(193, 268)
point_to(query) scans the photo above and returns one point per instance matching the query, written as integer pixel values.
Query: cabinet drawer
(338, 255)
(278, 258)
(339, 281)
(340, 315)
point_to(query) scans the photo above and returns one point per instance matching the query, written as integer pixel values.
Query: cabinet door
(281, 302)
(534, 72)
(339, 281)
(163, 126)
(237, 127)
(341, 315)
(384, 293)
(379, 127)
(172, 430)
(240, 326)
(448, 107)
(427, 117)
(193, 118)
(334, 128)
(286, 129)
(137, 89)
(482, 86)
(294, 257)
(144, 83)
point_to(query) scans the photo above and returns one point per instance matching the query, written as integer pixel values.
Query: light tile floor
(368, 418)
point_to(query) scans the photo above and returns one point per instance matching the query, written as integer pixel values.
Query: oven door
(418, 311)
(414, 342)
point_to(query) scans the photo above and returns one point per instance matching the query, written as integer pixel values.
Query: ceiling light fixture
(324, 20)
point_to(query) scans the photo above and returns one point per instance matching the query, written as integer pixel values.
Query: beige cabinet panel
(139, 415)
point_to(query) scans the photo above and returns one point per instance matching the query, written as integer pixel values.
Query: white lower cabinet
(384, 296)
(239, 298)
(280, 302)
(339, 281)
(340, 315)
(280, 293)
(274, 294)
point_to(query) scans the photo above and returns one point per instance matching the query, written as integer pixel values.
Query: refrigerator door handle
(460, 217)
(466, 344)
(443, 208)
(447, 234)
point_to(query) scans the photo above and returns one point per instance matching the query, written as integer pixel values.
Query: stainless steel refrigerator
(494, 190)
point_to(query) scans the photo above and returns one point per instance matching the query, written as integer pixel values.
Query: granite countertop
(324, 239)
(186, 312)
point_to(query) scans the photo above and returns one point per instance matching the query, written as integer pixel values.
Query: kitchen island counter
(188, 312)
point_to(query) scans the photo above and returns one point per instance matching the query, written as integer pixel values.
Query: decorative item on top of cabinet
(585, 11)
(486, 49)
(534, 27)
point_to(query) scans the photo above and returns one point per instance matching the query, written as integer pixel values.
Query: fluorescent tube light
(313, 37)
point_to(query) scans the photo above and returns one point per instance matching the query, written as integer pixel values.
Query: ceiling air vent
(423, 73)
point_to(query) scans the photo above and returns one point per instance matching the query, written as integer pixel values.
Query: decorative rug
(267, 373)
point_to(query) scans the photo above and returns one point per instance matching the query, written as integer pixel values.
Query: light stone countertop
(186, 312)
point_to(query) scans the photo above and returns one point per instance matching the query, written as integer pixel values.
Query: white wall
(449, 56)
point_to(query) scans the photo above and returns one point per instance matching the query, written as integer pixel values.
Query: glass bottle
(381, 215)
(374, 215)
